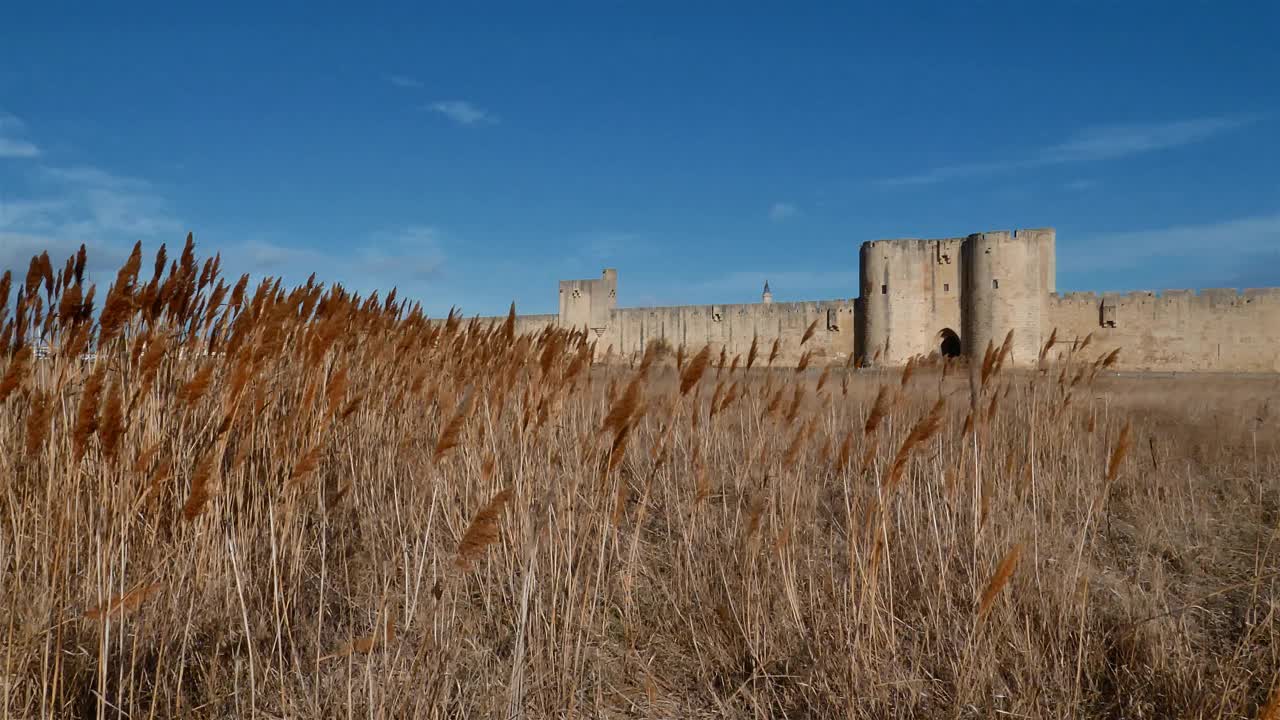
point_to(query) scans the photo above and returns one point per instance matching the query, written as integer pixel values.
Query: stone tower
(766, 297)
(910, 298)
(1008, 277)
(589, 303)
(955, 295)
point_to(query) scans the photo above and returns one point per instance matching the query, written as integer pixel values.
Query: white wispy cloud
(88, 205)
(1107, 142)
(401, 257)
(10, 148)
(404, 81)
(93, 203)
(1209, 244)
(780, 211)
(1115, 141)
(37, 215)
(12, 145)
(90, 176)
(17, 249)
(410, 259)
(61, 207)
(412, 252)
(463, 112)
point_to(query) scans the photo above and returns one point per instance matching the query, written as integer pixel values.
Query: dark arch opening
(950, 345)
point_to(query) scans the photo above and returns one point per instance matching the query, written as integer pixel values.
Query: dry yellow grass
(260, 502)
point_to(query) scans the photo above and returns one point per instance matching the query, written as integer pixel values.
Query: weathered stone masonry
(949, 296)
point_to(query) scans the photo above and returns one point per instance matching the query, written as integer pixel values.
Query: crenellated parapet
(1177, 329)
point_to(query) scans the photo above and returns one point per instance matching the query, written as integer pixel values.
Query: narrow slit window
(946, 287)
(884, 289)
(995, 284)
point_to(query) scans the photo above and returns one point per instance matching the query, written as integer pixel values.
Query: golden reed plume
(483, 530)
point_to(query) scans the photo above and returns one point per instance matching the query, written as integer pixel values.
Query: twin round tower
(956, 295)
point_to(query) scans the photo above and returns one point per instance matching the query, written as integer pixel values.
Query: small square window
(884, 289)
(946, 287)
(995, 284)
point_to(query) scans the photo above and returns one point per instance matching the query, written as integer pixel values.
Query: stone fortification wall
(950, 296)
(525, 324)
(1175, 330)
(733, 326)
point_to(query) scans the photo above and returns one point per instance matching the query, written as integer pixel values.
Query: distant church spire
(766, 297)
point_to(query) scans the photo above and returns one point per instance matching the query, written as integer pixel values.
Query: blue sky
(475, 154)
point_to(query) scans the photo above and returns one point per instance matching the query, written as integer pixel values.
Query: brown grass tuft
(908, 371)
(1118, 452)
(336, 390)
(379, 638)
(988, 362)
(87, 415)
(483, 530)
(999, 580)
(625, 406)
(693, 373)
(124, 604)
(921, 433)
(1048, 345)
(1006, 349)
(822, 378)
(38, 414)
(804, 361)
(306, 465)
(846, 448)
(15, 373)
(451, 435)
(195, 388)
(113, 423)
(202, 479)
(808, 332)
(878, 410)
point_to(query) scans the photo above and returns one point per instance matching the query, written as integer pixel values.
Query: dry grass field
(263, 502)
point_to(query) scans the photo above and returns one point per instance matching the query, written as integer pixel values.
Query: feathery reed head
(483, 530)
(878, 410)
(693, 373)
(808, 332)
(1118, 452)
(451, 435)
(998, 581)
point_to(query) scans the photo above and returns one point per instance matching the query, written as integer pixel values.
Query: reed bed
(221, 500)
